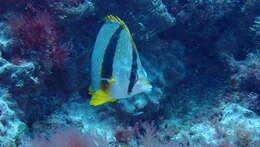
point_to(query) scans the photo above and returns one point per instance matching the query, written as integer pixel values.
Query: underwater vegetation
(139, 73)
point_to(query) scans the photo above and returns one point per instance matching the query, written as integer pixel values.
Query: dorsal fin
(119, 21)
(116, 19)
(122, 23)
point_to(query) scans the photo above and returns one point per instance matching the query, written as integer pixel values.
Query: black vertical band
(133, 75)
(107, 65)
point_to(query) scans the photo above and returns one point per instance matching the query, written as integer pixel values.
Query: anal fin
(100, 97)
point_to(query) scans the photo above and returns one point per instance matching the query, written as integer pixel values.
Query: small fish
(116, 69)
(138, 113)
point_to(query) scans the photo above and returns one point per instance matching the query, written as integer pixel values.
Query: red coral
(11, 3)
(123, 134)
(35, 32)
(39, 37)
(71, 137)
(65, 138)
(17, 60)
(59, 54)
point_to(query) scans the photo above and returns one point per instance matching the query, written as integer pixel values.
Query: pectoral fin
(100, 97)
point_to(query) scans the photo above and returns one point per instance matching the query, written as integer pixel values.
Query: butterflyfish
(116, 69)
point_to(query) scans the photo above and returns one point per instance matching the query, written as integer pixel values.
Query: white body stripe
(102, 41)
(122, 66)
(140, 70)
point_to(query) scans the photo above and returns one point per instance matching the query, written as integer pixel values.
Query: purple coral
(35, 32)
(70, 137)
(66, 138)
(39, 36)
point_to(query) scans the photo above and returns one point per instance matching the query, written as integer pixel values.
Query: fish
(116, 69)
(138, 113)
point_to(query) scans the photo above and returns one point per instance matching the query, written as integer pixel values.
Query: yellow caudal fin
(100, 97)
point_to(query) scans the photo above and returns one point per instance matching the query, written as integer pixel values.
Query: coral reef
(18, 78)
(72, 9)
(201, 57)
(5, 37)
(242, 123)
(39, 38)
(246, 72)
(256, 29)
(70, 138)
(11, 127)
(226, 130)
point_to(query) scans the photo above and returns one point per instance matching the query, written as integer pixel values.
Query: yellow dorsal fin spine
(116, 19)
(122, 23)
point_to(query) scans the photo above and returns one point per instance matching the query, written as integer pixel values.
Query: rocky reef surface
(202, 58)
